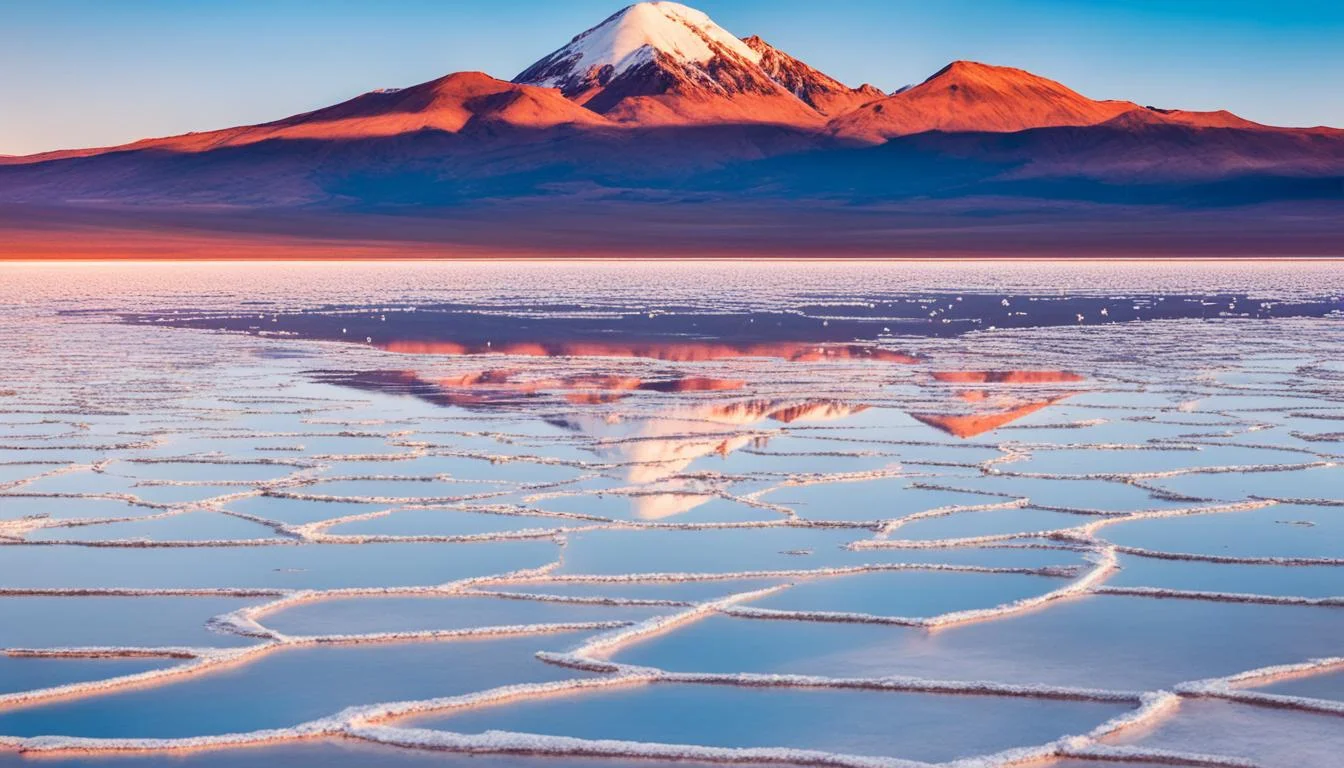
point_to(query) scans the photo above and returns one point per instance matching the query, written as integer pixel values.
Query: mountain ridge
(657, 106)
(662, 63)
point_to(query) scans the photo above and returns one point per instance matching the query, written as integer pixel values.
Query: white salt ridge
(111, 652)
(905, 684)
(1230, 559)
(1311, 502)
(507, 743)
(1221, 597)
(145, 592)
(202, 659)
(1104, 564)
(19, 483)
(200, 662)
(965, 541)
(504, 487)
(166, 544)
(1122, 755)
(124, 497)
(673, 577)
(1231, 687)
(317, 531)
(952, 509)
(651, 626)
(504, 630)
(579, 599)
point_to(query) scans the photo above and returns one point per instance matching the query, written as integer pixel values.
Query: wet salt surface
(910, 725)
(345, 753)
(1319, 581)
(1269, 737)
(21, 674)
(54, 622)
(327, 566)
(409, 614)
(237, 502)
(907, 593)
(614, 552)
(184, 526)
(1122, 643)
(447, 522)
(680, 506)
(870, 500)
(1283, 530)
(1325, 686)
(290, 687)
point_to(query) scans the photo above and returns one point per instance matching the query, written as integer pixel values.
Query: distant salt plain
(608, 514)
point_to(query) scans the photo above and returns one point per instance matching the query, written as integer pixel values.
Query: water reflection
(656, 446)
(674, 437)
(1007, 377)
(970, 425)
(650, 444)
(483, 389)
(669, 351)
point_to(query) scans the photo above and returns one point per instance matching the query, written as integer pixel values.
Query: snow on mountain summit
(663, 63)
(630, 38)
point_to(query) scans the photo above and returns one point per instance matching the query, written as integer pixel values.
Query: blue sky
(93, 72)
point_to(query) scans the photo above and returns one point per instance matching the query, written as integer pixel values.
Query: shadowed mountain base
(966, 228)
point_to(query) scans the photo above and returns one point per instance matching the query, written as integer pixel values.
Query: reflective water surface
(573, 514)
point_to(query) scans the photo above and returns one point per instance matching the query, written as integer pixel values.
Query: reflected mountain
(669, 351)
(1006, 406)
(652, 445)
(655, 447)
(500, 388)
(1007, 377)
(975, 424)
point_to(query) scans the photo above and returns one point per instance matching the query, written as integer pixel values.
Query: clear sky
(98, 72)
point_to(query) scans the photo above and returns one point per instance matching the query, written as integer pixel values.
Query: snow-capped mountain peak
(634, 36)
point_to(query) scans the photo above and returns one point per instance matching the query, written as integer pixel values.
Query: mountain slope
(451, 104)
(662, 63)
(818, 90)
(966, 96)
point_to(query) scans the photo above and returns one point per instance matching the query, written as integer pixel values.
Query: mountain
(657, 131)
(970, 97)
(966, 96)
(455, 103)
(661, 63)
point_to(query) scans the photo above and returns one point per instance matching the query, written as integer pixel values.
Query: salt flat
(723, 512)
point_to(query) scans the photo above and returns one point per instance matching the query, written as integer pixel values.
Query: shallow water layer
(915, 726)
(580, 514)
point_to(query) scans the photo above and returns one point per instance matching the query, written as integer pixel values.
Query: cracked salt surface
(291, 687)
(181, 526)
(326, 753)
(1266, 737)
(412, 614)
(1281, 530)
(1314, 581)
(917, 726)
(598, 526)
(1317, 686)
(1119, 642)
(22, 674)
(33, 621)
